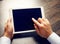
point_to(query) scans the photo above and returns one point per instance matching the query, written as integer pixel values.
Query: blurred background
(51, 11)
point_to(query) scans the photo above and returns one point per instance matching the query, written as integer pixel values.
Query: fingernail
(32, 18)
(39, 18)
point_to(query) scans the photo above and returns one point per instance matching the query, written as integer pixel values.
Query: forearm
(54, 38)
(5, 40)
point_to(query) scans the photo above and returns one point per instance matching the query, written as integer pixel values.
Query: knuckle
(41, 26)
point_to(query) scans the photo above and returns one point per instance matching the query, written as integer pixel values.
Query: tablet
(22, 19)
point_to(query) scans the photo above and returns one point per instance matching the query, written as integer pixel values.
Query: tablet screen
(23, 18)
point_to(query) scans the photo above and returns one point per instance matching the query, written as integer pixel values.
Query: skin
(8, 29)
(43, 27)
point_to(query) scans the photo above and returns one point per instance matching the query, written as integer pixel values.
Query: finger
(36, 29)
(47, 20)
(40, 20)
(36, 22)
(9, 20)
(43, 19)
(8, 24)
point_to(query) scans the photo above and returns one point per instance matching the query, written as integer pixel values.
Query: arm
(54, 38)
(43, 28)
(8, 33)
(5, 40)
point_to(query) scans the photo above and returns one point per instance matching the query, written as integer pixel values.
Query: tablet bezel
(11, 15)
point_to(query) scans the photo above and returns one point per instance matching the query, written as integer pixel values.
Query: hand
(8, 32)
(42, 27)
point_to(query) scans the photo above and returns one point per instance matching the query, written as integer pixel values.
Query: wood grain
(52, 13)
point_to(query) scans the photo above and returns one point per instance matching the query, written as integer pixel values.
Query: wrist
(48, 34)
(7, 35)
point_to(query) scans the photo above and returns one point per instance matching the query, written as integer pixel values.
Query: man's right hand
(42, 27)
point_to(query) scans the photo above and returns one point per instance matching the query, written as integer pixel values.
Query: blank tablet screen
(23, 18)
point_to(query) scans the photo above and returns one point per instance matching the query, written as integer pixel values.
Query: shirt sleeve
(5, 40)
(54, 38)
